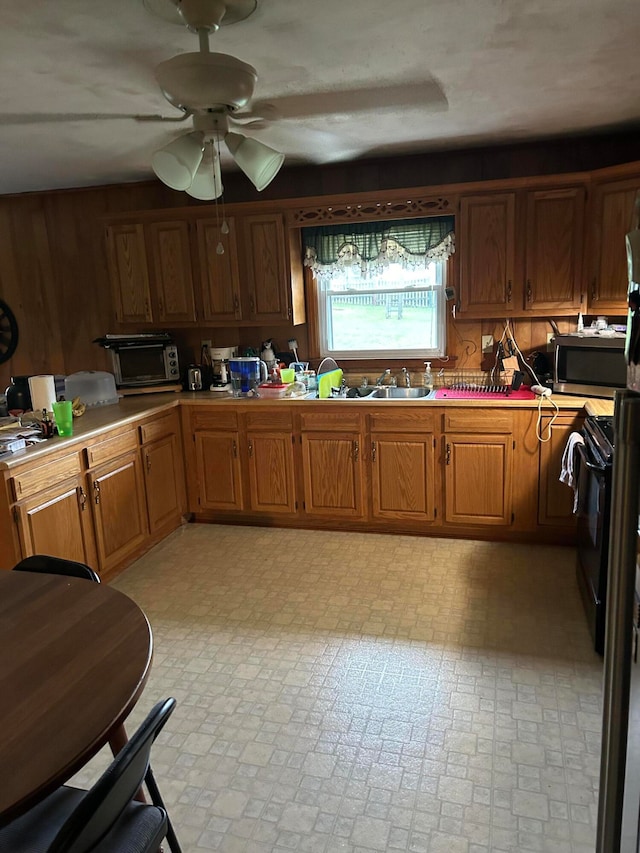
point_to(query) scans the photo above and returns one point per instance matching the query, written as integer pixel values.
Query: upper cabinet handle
(509, 291)
(529, 291)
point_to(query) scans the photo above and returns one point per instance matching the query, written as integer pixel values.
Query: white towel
(567, 472)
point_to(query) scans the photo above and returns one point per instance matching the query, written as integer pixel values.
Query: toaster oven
(141, 360)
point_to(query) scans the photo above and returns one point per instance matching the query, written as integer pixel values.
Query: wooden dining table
(74, 659)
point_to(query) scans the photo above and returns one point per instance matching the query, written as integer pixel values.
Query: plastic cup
(63, 416)
(287, 374)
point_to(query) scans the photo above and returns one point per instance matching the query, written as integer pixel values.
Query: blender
(246, 375)
(221, 377)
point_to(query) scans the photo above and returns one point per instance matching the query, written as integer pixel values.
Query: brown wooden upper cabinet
(150, 271)
(613, 212)
(256, 280)
(219, 274)
(521, 252)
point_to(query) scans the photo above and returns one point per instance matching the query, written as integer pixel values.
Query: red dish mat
(454, 394)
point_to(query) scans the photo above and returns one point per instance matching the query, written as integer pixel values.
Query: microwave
(589, 365)
(140, 360)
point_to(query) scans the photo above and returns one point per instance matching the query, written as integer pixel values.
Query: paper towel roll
(43, 392)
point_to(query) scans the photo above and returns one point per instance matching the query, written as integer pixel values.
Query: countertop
(129, 409)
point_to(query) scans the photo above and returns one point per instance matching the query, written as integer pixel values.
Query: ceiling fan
(215, 91)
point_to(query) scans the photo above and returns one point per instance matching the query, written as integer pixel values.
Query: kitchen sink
(390, 392)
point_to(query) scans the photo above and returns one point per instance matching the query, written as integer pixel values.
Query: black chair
(106, 818)
(56, 566)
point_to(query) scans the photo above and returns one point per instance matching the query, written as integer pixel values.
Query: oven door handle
(583, 458)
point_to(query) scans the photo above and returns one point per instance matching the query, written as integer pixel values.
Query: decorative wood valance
(367, 211)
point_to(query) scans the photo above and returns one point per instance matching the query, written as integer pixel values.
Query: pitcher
(246, 374)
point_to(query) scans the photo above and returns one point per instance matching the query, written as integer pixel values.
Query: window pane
(397, 312)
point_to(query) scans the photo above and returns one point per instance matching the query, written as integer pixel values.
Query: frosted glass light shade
(259, 162)
(177, 163)
(207, 182)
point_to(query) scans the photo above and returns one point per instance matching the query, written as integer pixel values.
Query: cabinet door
(219, 275)
(268, 280)
(117, 494)
(555, 499)
(613, 218)
(332, 472)
(170, 257)
(554, 240)
(127, 259)
(218, 467)
(272, 484)
(162, 474)
(478, 479)
(58, 522)
(402, 473)
(486, 249)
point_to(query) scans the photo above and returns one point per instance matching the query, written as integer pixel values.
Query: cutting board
(327, 381)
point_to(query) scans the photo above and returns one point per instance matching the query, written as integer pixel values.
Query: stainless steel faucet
(382, 377)
(406, 378)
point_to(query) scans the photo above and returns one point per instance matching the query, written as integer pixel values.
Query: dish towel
(567, 466)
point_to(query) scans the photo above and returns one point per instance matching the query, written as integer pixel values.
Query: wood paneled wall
(53, 266)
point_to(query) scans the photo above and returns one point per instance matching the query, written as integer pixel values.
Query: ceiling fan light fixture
(207, 182)
(177, 163)
(258, 161)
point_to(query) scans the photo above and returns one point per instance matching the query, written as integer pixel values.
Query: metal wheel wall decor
(8, 332)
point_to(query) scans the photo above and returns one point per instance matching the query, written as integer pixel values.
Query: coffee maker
(221, 376)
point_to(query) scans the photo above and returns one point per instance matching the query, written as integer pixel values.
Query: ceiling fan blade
(426, 94)
(60, 118)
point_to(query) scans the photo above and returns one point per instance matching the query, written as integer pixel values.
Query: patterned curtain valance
(328, 249)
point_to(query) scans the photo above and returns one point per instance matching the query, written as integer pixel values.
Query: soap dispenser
(427, 377)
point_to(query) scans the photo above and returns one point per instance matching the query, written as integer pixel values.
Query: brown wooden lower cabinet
(58, 522)
(555, 499)
(454, 470)
(116, 490)
(333, 474)
(403, 476)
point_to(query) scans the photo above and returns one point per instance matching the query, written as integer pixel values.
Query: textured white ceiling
(510, 70)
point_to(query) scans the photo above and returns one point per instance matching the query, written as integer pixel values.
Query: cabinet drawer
(410, 421)
(339, 420)
(111, 448)
(481, 421)
(210, 419)
(280, 420)
(152, 431)
(36, 479)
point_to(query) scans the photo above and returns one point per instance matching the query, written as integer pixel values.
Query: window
(380, 287)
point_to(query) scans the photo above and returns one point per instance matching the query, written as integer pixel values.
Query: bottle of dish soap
(427, 376)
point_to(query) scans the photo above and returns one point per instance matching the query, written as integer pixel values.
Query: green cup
(287, 375)
(63, 416)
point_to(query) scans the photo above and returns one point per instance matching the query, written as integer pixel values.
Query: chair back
(56, 566)
(103, 804)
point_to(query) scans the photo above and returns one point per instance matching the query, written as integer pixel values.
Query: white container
(94, 387)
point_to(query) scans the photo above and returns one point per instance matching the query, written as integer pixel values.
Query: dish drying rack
(475, 381)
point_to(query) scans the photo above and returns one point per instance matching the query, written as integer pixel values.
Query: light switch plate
(487, 343)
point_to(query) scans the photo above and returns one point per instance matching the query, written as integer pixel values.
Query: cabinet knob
(448, 451)
(250, 448)
(529, 291)
(356, 450)
(96, 491)
(235, 449)
(148, 458)
(373, 451)
(252, 303)
(509, 289)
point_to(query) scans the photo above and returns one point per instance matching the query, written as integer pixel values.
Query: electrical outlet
(550, 337)
(206, 344)
(487, 343)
